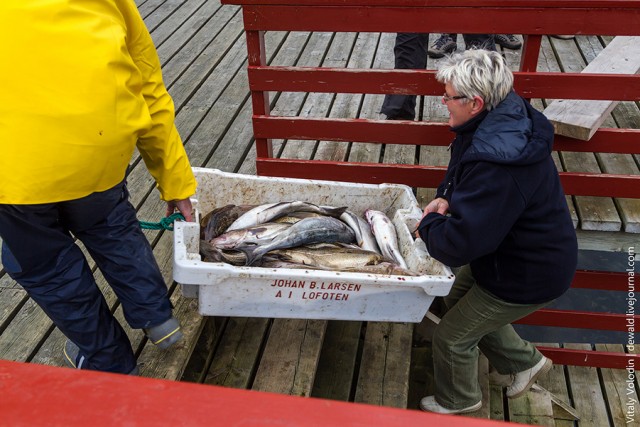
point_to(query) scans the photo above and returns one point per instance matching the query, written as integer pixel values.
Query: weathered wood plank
(595, 213)
(336, 366)
(12, 297)
(147, 7)
(178, 31)
(237, 356)
(606, 241)
(290, 357)
(384, 365)
(532, 408)
(556, 383)
(620, 391)
(588, 397)
(170, 14)
(581, 118)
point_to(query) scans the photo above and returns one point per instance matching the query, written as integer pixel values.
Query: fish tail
(253, 254)
(336, 212)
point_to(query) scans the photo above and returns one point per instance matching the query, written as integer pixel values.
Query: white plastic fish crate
(226, 290)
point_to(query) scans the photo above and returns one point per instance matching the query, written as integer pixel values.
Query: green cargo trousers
(476, 319)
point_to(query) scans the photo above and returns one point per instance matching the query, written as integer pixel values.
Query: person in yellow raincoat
(82, 88)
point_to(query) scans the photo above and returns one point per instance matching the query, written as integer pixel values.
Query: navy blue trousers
(410, 52)
(38, 252)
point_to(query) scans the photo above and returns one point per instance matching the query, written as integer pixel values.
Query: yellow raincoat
(81, 88)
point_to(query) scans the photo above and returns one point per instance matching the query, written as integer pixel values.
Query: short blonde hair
(478, 72)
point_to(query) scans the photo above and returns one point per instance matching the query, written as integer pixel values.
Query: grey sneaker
(165, 334)
(508, 41)
(442, 46)
(73, 359)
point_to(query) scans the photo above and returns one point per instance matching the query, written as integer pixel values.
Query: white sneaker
(522, 381)
(429, 404)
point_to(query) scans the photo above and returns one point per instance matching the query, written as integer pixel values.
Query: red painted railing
(93, 398)
(532, 18)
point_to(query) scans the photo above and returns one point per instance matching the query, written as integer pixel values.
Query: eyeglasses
(446, 98)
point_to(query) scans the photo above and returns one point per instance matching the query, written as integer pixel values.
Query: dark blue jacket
(508, 217)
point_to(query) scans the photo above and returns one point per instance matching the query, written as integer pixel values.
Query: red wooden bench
(533, 19)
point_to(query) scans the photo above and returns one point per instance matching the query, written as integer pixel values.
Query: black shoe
(442, 46)
(508, 41)
(563, 37)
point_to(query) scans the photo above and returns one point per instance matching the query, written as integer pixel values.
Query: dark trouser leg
(122, 252)
(40, 255)
(410, 52)
(479, 41)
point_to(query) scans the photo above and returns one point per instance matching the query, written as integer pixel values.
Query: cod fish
(210, 253)
(218, 220)
(270, 211)
(293, 217)
(364, 237)
(256, 235)
(328, 257)
(304, 232)
(387, 268)
(385, 233)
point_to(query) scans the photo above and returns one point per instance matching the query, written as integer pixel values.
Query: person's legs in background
(410, 52)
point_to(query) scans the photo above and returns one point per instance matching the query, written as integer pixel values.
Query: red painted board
(38, 395)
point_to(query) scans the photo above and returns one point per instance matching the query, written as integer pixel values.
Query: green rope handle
(164, 224)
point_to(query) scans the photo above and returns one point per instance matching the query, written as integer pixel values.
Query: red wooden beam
(597, 359)
(448, 3)
(38, 395)
(443, 19)
(605, 140)
(353, 130)
(601, 184)
(603, 280)
(580, 319)
(620, 87)
(259, 99)
(583, 184)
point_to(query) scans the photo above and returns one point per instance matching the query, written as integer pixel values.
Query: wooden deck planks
(290, 358)
(236, 358)
(338, 359)
(619, 392)
(588, 398)
(384, 365)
